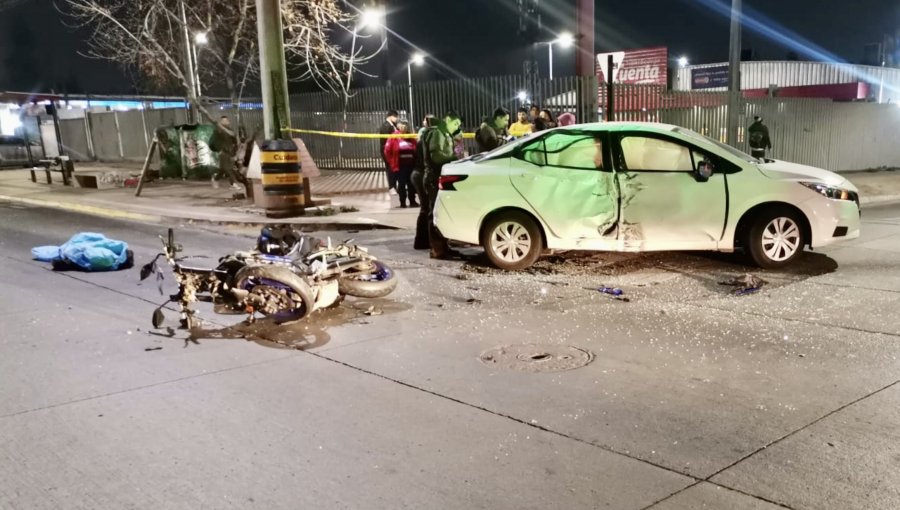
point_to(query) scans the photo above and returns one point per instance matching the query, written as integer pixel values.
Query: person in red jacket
(400, 154)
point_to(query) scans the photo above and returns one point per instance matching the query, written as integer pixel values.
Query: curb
(878, 199)
(109, 212)
(92, 210)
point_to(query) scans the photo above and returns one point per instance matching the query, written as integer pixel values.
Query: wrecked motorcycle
(286, 278)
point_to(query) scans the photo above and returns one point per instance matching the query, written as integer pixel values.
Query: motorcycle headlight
(831, 192)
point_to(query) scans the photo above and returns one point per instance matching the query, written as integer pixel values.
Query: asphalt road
(694, 398)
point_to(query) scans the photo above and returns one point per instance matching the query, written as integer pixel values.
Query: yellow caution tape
(360, 135)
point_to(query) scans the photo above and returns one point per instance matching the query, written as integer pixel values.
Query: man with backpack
(758, 135)
(418, 182)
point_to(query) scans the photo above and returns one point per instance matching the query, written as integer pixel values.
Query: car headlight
(832, 192)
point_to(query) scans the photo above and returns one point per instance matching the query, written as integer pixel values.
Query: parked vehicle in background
(13, 151)
(636, 187)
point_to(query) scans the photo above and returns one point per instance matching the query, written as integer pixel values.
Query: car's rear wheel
(776, 238)
(512, 240)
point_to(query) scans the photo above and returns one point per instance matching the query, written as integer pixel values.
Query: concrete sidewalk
(201, 202)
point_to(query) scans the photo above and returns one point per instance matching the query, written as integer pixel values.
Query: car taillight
(446, 182)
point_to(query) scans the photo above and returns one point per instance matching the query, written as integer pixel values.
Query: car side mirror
(704, 171)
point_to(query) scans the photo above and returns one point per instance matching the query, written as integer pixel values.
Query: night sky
(478, 37)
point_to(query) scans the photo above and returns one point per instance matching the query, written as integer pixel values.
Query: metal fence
(818, 132)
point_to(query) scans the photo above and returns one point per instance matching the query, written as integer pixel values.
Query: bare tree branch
(147, 36)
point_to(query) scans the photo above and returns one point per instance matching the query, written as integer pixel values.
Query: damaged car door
(672, 196)
(565, 177)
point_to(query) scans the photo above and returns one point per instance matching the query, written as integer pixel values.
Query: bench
(65, 166)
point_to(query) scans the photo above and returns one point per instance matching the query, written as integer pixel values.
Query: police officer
(439, 151)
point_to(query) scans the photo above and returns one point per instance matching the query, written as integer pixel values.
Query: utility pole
(188, 66)
(734, 73)
(272, 70)
(585, 60)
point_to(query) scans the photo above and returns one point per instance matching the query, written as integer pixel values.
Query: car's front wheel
(776, 238)
(512, 240)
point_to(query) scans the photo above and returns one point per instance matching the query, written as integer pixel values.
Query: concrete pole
(734, 74)
(584, 60)
(188, 65)
(412, 118)
(272, 70)
(550, 52)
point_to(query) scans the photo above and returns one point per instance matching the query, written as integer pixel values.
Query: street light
(417, 59)
(370, 18)
(683, 61)
(200, 39)
(565, 40)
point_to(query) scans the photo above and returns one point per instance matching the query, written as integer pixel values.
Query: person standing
(224, 142)
(566, 119)
(521, 126)
(418, 181)
(439, 150)
(492, 133)
(547, 117)
(758, 135)
(533, 113)
(387, 128)
(400, 154)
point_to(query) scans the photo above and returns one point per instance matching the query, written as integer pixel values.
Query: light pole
(200, 39)
(188, 65)
(565, 40)
(369, 18)
(417, 59)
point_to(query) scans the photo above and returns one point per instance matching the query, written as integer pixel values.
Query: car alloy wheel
(776, 238)
(512, 240)
(781, 239)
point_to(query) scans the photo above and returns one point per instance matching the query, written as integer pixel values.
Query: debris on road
(86, 251)
(371, 311)
(612, 292)
(746, 284)
(148, 349)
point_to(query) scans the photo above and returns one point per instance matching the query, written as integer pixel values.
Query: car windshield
(727, 148)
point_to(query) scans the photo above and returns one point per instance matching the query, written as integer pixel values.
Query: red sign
(644, 66)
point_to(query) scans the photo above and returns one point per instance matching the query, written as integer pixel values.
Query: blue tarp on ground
(86, 250)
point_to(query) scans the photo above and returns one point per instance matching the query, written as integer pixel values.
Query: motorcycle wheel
(263, 278)
(375, 281)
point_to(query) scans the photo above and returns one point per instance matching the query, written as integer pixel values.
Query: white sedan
(639, 187)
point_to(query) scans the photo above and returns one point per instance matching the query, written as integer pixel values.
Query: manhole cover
(537, 357)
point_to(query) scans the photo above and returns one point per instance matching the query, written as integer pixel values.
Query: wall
(759, 75)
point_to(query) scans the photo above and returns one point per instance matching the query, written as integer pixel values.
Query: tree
(148, 37)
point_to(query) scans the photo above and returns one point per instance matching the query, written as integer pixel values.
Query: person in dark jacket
(547, 117)
(387, 128)
(758, 135)
(439, 150)
(418, 181)
(492, 133)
